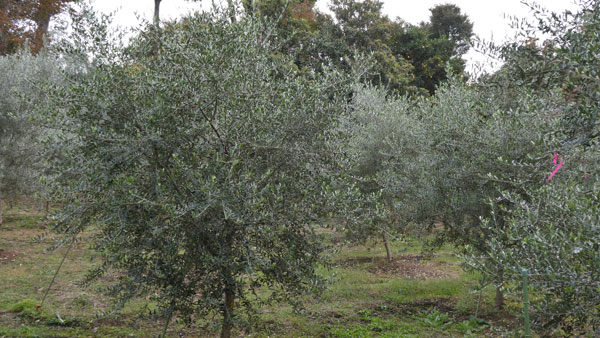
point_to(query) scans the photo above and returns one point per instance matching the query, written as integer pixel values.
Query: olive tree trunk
(231, 8)
(499, 298)
(228, 288)
(3, 33)
(386, 243)
(156, 12)
(229, 296)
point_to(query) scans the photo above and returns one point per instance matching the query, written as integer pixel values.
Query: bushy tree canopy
(447, 21)
(549, 226)
(203, 166)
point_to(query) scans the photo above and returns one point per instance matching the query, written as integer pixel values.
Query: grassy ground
(370, 297)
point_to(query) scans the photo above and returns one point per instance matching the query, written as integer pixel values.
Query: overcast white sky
(488, 16)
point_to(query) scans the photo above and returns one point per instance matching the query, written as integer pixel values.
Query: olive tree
(202, 166)
(22, 78)
(433, 160)
(552, 231)
(385, 148)
(549, 227)
(438, 160)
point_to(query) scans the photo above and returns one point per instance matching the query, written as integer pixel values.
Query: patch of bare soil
(412, 267)
(7, 256)
(24, 212)
(443, 304)
(9, 319)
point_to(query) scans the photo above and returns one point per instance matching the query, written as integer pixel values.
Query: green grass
(23, 222)
(411, 297)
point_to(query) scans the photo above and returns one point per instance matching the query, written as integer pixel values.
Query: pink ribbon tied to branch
(556, 159)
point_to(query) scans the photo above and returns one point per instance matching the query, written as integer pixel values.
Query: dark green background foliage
(408, 58)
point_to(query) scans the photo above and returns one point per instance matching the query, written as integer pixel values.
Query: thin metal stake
(56, 272)
(479, 297)
(526, 304)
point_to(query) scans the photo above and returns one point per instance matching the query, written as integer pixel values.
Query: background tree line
(408, 58)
